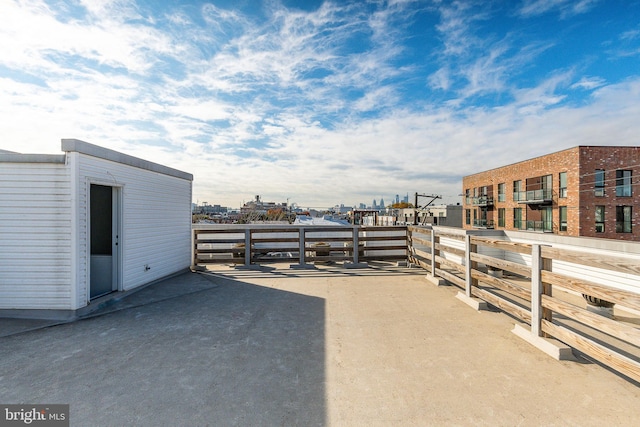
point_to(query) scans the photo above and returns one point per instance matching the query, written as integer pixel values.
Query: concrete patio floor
(279, 347)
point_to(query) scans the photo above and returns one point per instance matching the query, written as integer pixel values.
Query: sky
(321, 102)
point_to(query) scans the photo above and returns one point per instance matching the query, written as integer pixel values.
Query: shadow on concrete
(227, 354)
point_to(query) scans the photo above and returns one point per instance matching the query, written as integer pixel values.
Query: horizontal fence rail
(257, 244)
(557, 292)
(533, 283)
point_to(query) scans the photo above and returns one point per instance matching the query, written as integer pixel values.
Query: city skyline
(320, 101)
(375, 203)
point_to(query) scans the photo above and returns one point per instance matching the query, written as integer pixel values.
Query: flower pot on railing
(238, 250)
(598, 305)
(349, 249)
(321, 249)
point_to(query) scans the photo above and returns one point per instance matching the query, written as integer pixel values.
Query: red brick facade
(592, 174)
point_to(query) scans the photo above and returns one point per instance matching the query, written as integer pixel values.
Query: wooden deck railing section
(525, 290)
(518, 278)
(228, 244)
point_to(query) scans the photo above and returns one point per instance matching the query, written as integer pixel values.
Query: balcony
(534, 197)
(544, 226)
(483, 223)
(482, 201)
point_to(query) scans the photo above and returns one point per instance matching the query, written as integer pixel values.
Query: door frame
(116, 226)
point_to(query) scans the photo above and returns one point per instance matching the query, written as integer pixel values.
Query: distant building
(445, 215)
(362, 216)
(208, 209)
(261, 207)
(587, 191)
(341, 209)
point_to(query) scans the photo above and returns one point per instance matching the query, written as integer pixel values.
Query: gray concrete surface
(281, 347)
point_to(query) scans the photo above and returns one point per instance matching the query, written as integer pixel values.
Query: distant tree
(275, 214)
(195, 218)
(402, 205)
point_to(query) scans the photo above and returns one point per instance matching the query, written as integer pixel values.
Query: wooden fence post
(467, 265)
(536, 290)
(535, 336)
(547, 289)
(469, 249)
(247, 247)
(410, 248)
(301, 245)
(194, 245)
(356, 243)
(434, 241)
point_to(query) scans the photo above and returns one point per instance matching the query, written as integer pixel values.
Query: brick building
(587, 191)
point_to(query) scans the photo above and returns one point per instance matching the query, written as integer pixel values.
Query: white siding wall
(156, 220)
(35, 236)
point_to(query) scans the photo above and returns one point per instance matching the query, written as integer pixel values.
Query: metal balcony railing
(482, 201)
(483, 223)
(533, 196)
(546, 226)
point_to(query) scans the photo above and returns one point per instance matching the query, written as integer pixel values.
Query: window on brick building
(501, 213)
(501, 194)
(563, 218)
(467, 196)
(562, 188)
(517, 218)
(599, 184)
(599, 219)
(623, 183)
(547, 219)
(517, 188)
(623, 219)
(467, 216)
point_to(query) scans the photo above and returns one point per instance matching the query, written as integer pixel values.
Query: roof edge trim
(32, 158)
(82, 147)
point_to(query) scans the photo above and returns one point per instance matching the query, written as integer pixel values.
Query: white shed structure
(77, 226)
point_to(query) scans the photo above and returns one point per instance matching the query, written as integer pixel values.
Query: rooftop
(277, 346)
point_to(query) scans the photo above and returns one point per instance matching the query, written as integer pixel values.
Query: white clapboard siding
(35, 236)
(156, 220)
(44, 223)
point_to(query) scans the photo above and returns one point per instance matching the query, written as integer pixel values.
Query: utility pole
(433, 198)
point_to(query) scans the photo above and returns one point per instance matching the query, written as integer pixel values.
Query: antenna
(433, 198)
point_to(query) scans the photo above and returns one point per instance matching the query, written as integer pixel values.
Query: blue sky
(321, 102)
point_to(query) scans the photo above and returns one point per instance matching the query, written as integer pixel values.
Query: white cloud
(286, 106)
(589, 83)
(566, 8)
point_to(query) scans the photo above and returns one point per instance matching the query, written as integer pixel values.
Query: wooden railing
(302, 244)
(519, 278)
(538, 284)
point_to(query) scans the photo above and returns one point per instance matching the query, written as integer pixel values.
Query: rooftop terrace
(377, 346)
